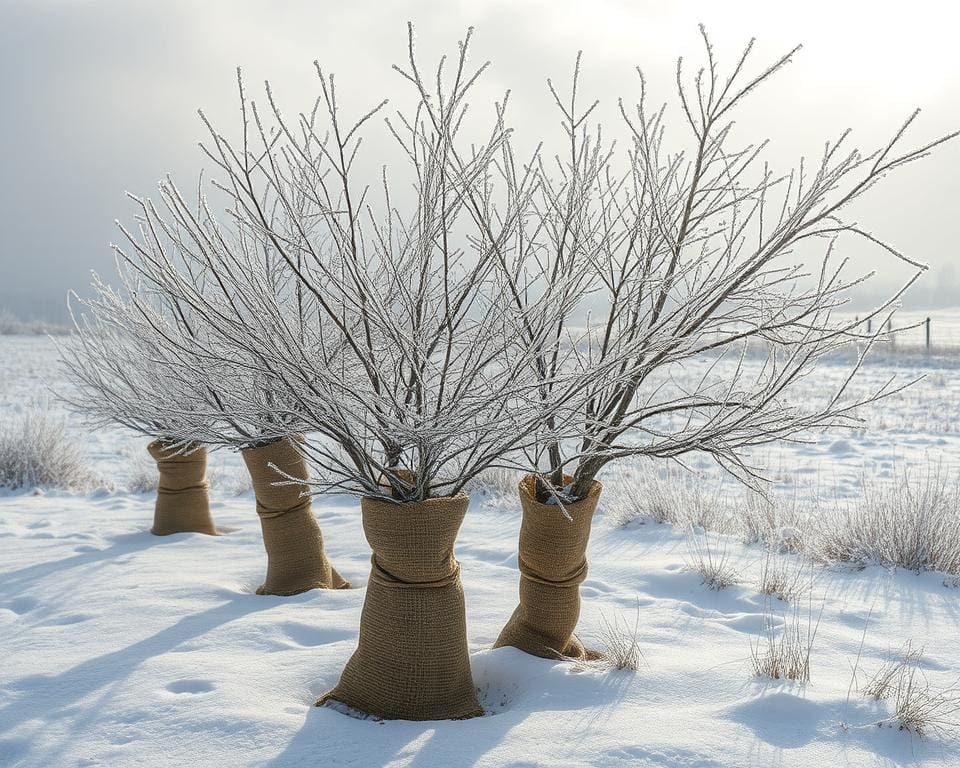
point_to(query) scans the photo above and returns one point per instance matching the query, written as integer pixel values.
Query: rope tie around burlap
(553, 564)
(296, 561)
(386, 579)
(183, 497)
(412, 661)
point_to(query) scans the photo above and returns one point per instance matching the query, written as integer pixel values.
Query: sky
(100, 97)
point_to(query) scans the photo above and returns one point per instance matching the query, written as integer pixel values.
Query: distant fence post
(927, 324)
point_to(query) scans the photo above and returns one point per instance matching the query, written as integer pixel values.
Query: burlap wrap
(553, 564)
(183, 500)
(412, 661)
(296, 561)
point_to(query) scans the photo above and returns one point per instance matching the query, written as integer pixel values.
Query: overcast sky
(100, 96)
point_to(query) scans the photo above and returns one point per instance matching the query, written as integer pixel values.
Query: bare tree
(704, 288)
(391, 339)
(426, 330)
(372, 318)
(159, 354)
(122, 375)
(707, 255)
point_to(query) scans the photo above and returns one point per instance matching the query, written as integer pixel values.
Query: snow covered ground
(118, 648)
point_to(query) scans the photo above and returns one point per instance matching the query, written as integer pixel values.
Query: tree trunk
(553, 564)
(412, 660)
(296, 560)
(583, 479)
(183, 499)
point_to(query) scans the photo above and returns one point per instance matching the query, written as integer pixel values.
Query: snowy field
(118, 648)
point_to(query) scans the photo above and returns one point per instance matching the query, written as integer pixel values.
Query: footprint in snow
(496, 697)
(746, 622)
(73, 618)
(593, 588)
(780, 719)
(20, 605)
(750, 623)
(11, 749)
(190, 687)
(307, 636)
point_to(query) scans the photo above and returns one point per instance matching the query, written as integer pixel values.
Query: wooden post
(869, 323)
(927, 324)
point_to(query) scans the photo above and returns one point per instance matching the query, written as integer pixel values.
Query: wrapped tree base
(183, 499)
(553, 564)
(412, 660)
(296, 561)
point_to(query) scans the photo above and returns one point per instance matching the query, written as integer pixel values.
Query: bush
(497, 481)
(225, 479)
(36, 451)
(684, 500)
(230, 481)
(143, 472)
(11, 325)
(673, 497)
(911, 523)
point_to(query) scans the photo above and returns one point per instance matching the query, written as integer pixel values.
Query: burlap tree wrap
(553, 564)
(296, 560)
(183, 500)
(412, 660)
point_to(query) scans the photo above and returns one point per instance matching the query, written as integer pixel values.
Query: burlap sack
(183, 501)
(296, 561)
(412, 661)
(553, 564)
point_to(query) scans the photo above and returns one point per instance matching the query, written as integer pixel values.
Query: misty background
(101, 96)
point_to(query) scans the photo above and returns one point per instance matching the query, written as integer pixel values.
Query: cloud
(101, 96)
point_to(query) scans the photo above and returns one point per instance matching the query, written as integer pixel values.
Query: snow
(118, 648)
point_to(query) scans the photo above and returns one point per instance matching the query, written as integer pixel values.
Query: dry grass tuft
(784, 578)
(920, 709)
(710, 560)
(881, 684)
(917, 706)
(782, 651)
(620, 642)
